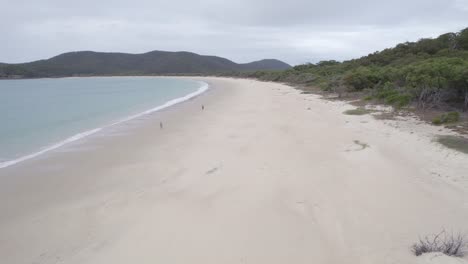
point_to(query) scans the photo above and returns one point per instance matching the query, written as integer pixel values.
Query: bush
(437, 121)
(382, 94)
(448, 244)
(450, 117)
(392, 96)
(361, 78)
(398, 100)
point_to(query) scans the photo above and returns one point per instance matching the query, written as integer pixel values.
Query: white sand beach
(264, 174)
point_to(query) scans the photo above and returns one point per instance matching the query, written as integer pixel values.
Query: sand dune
(263, 174)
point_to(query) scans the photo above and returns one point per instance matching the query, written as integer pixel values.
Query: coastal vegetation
(429, 73)
(446, 118)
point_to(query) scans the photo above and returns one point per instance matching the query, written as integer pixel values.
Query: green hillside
(155, 62)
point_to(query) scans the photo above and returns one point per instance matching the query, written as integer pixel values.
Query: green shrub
(324, 86)
(398, 100)
(437, 121)
(450, 117)
(361, 78)
(392, 96)
(382, 94)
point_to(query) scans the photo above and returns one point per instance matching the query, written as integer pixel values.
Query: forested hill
(155, 62)
(432, 73)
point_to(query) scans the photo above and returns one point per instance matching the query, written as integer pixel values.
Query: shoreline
(80, 135)
(182, 75)
(264, 174)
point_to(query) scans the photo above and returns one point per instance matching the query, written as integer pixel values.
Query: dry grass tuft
(447, 243)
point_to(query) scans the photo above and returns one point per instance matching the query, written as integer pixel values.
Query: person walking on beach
(160, 125)
(202, 107)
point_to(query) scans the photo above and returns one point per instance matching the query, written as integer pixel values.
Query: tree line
(432, 73)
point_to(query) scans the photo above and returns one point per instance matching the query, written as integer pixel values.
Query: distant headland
(89, 63)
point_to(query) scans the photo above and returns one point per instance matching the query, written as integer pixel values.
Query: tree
(462, 39)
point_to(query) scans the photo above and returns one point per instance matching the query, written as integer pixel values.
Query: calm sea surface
(41, 114)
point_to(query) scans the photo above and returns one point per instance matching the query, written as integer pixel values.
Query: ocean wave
(203, 87)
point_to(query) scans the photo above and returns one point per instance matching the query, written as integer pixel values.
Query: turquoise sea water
(41, 114)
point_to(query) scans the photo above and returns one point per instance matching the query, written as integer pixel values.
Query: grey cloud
(296, 31)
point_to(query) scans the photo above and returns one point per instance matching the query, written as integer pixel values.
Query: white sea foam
(203, 87)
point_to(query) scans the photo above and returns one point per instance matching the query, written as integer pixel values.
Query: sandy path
(257, 177)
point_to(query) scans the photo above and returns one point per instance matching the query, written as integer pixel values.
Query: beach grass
(357, 111)
(449, 244)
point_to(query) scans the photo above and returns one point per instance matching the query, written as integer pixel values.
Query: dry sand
(263, 175)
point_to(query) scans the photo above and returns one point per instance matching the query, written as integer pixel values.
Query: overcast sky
(296, 31)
